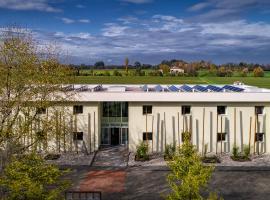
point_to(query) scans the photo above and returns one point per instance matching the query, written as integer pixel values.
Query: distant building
(176, 70)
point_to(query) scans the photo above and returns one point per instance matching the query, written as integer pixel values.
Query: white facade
(166, 121)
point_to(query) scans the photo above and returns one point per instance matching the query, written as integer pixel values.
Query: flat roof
(169, 93)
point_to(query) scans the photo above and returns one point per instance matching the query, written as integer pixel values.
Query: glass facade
(114, 123)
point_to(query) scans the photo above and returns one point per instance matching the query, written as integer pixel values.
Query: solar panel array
(214, 88)
(145, 88)
(173, 88)
(161, 88)
(200, 88)
(158, 88)
(196, 88)
(186, 88)
(233, 88)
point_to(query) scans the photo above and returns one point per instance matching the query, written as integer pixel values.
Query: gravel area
(158, 160)
(73, 159)
(155, 160)
(256, 160)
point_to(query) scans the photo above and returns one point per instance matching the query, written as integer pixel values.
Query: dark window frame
(259, 110)
(149, 136)
(223, 138)
(41, 111)
(78, 136)
(78, 109)
(259, 137)
(220, 110)
(186, 110)
(147, 109)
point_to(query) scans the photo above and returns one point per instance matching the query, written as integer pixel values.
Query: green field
(260, 82)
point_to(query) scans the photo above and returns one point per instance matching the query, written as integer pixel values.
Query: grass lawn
(260, 82)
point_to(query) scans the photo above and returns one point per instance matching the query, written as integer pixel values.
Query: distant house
(176, 70)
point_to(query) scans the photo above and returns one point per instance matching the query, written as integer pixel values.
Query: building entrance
(114, 123)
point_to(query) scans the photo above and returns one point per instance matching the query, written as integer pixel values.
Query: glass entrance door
(115, 136)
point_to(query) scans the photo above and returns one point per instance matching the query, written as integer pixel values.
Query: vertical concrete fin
(241, 131)
(173, 130)
(162, 135)
(211, 131)
(197, 134)
(227, 130)
(158, 130)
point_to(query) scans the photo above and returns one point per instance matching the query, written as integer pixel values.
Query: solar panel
(186, 88)
(214, 88)
(145, 88)
(199, 88)
(158, 88)
(233, 88)
(97, 88)
(173, 88)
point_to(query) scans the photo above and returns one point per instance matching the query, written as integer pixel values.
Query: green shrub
(246, 151)
(169, 151)
(116, 73)
(107, 73)
(30, 177)
(142, 151)
(235, 151)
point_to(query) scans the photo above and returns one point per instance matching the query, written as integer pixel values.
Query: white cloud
(84, 20)
(40, 5)
(199, 6)
(171, 37)
(113, 30)
(71, 21)
(80, 6)
(138, 1)
(238, 28)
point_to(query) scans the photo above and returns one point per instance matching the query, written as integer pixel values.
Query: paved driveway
(145, 183)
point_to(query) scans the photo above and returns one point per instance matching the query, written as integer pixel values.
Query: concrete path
(111, 157)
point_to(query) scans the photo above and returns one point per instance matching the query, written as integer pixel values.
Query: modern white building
(218, 116)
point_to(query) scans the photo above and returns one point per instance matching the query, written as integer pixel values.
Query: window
(148, 134)
(186, 110)
(221, 110)
(41, 111)
(147, 110)
(77, 135)
(259, 137)
(259, 110)
(77, 109)
(221, 137)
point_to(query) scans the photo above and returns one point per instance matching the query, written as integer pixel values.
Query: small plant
(235, 151)
(142, 152)
(246, 151)
(169, 151)
(237, 156)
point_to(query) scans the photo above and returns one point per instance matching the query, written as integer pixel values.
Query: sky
(148, 31)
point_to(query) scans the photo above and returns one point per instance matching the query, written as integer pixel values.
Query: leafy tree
(29, 177)
(100, 64)
(244, 72)
(137, 64)
(165, 68)
(258, 72)
(30, 77)
(188, 174)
